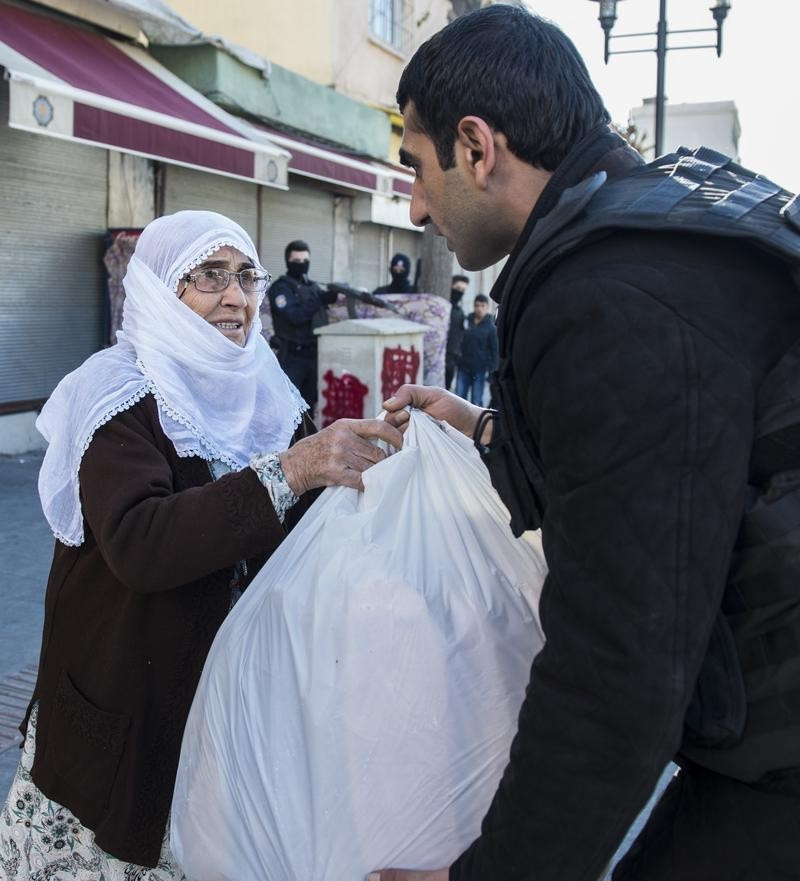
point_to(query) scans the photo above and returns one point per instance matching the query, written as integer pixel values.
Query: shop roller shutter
(52, 223)
(371, 257)
(303, 212)
(189, 189)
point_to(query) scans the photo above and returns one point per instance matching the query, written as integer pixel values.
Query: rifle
(360, 294)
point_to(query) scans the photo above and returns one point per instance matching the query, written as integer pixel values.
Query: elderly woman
(177, 460)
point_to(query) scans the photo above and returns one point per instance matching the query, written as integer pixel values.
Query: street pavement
(26, 549)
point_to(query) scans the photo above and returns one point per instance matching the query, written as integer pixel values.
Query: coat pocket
(85, 743)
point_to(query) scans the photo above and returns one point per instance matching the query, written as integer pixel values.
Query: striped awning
(67, 81)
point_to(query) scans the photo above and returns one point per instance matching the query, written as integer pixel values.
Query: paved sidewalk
(26, 549)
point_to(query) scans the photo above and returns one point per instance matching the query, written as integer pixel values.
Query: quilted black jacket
(637, 361)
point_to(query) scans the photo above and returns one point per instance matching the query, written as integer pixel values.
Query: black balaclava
(400, 268)
(298, 270)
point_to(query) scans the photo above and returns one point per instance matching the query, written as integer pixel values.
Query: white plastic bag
(358, 704)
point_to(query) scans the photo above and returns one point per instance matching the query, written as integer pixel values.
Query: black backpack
(705, 193)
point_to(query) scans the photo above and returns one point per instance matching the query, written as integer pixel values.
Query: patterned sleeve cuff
(269, 471)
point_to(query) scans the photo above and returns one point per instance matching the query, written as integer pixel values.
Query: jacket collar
(601, 150)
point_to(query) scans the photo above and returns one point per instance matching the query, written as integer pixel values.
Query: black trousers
(450, 367)
(712, 828)
(301, 368)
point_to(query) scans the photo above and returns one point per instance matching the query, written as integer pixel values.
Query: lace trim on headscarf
(209, 452)
(208, 449)
(201, 258)
(137, 396)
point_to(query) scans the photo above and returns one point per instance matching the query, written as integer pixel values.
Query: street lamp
(720, 10)
(607, 17)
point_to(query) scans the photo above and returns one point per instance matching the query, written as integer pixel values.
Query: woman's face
(231, 311)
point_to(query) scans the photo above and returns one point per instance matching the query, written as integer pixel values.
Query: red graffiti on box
(399, 367)
(344, 397)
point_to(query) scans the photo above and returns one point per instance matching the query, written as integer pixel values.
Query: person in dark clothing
(298, 305)
(647, 423)
(478, 352)
(455, 332)
(400, 269)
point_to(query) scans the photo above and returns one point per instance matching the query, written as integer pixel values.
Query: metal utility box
(362, 362)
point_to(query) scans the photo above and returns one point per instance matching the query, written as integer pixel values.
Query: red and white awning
(329, 164)
(69, 82)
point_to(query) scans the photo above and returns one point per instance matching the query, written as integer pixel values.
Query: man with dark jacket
(455, 332)
(400, 270)
(478, 354)
(648, 423)
(298, 305)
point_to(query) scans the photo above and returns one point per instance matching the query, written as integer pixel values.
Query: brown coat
(129, 618)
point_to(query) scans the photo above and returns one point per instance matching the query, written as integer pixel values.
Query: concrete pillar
(343, 241)
(131, 191)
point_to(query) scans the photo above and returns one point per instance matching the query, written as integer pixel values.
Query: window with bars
(386, 23)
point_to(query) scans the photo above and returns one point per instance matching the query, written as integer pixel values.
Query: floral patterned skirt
(42, 841)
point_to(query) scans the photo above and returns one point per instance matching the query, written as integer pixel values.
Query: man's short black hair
(296, 245)
(513, 69)
(459, 278)
(481, 298)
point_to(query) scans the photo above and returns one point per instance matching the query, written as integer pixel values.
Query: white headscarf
(216, 399)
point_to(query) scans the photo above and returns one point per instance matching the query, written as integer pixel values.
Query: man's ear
(476, 138)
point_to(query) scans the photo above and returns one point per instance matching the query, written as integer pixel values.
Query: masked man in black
(298, 305)
(455, 333)
(400, 269)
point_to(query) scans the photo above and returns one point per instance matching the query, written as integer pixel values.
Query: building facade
(358, 48)
(95, 134)
(713, 124)
(102, 128)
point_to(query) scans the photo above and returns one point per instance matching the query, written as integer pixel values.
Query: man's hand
(408, 875)
(440, 404)
(337, 455)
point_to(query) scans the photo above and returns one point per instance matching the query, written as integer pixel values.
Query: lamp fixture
(608, 16)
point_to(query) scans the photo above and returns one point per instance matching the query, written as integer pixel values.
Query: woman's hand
(440, 404)
(337, 455)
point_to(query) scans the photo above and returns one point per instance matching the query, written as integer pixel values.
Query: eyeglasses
(214, 281)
